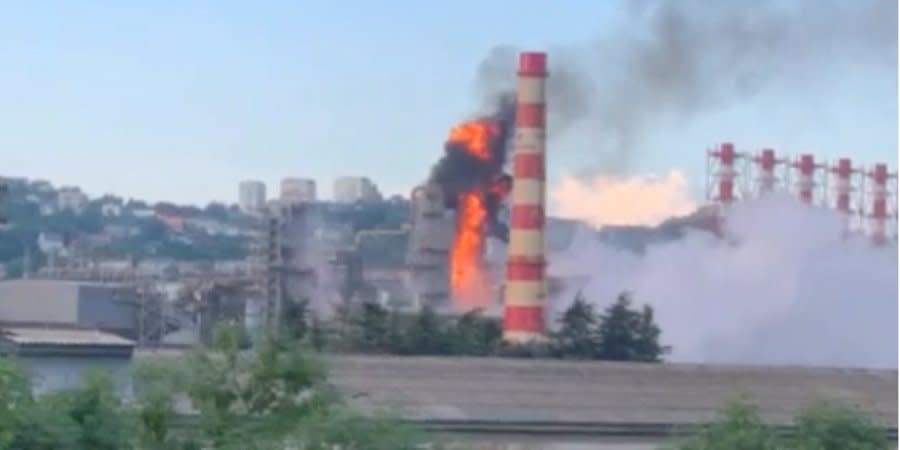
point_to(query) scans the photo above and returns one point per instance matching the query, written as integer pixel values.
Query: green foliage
(828, 425)
(260, 399)
(15, 396)
(295, 319)
(621, 333)
(824, 425)
(473, 334)
(625, 334)
(371, 328)
(578, 337)
(738, 428)
(96, 412)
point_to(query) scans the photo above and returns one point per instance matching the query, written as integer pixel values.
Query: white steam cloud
(787, 290)
(611, 200)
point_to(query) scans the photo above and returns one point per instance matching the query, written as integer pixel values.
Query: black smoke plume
(671, 61)
(458, 171)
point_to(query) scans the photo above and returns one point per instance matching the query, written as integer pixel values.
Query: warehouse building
(110, 307)
(56, 356)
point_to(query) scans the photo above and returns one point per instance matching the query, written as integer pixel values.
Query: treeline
(621, 332)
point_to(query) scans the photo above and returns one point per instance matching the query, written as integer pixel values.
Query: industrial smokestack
(523, 314)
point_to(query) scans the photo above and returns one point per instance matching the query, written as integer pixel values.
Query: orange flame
(475, 137)
(469, 280)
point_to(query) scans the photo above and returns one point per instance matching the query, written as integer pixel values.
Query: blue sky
(181, 100)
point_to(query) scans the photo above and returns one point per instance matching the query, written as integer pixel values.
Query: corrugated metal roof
(24, 335)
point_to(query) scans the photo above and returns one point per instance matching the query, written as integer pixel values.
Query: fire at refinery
(470, 176)
(476, 210)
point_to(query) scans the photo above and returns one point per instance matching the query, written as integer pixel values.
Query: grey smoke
(673, 60)
(792, 291)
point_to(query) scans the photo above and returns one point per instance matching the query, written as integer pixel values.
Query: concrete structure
(552, 404)
(355, 189)
(71, 199)
(288, 260)
(252, 196)
(295, 191)
(57, 355)
(523, 316)
(431, 235)
(110, 307)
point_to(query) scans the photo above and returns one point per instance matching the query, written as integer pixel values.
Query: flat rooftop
(61, 336)
(442, 389)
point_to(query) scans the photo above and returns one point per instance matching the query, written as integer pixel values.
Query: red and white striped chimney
(523, 307)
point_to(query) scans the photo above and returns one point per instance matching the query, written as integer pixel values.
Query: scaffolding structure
(845, 183)
(881, 199)
(770, 172)
(725, 177)
(866, 199)
(810, 180)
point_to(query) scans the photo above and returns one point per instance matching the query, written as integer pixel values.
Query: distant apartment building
(143, 213)
(252, 196)
(111, 206)
(71, 199)
(51, 243)
(42, 186)
(297, 190)
(355, 189)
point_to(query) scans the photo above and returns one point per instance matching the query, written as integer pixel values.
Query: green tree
(824, 425)
(426, 335)
(738, 428)
(268, 398)
(373, 328)
(829, 425)
(318, 335)
(295, 319)
(474, 334)
(578, 335)
(91, 416)
(15, 397)
(626, 334)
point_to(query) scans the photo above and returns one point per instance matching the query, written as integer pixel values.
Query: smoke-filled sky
(179, 101)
